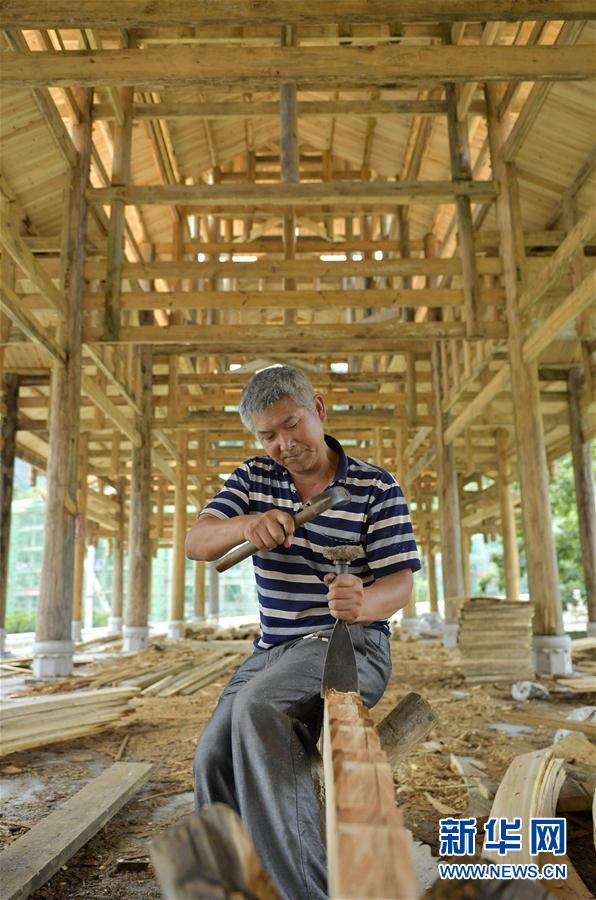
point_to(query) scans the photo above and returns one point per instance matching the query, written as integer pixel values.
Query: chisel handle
(334, 496)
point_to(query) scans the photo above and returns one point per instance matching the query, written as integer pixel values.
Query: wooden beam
(80, 536)
(296, 299)
(475, 406)
(10, 304)
(14, 244)
(8, 434)
(263, 109)
(320, 68)
(300, 268)
(178, 14)
(90, 387)
(584, 490)
(231, 196)
(562, 257)
(578, 300)
(176, 619)
(510, 552)
(220, 336)
(34, 857)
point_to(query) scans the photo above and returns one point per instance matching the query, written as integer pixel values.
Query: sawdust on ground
(164, 731)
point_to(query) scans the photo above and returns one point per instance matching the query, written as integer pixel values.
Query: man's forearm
(210, 537)
(386, 596)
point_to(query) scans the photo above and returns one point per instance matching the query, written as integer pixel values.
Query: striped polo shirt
(291, 591)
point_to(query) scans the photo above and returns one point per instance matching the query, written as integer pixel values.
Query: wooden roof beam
(385, 66)
(181, 14)
(346, 194)
(228, 109)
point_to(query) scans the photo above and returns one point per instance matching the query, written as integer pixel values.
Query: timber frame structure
(396, 196)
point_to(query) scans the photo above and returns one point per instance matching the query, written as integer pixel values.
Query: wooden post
(8, 439)
(510, 553)
(449, 513)
(289, 161)
(53, 648)
(80, 538)
(551, 645)
(408, 315)
(136, 629)
(466, 546)
(199, 594)
(584, 493)
(213, 592)
(433, 594)
(115, 620)
(461, 169)
(120, 178)
(176, 623)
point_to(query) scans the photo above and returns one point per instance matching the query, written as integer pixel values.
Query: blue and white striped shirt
(292, 593)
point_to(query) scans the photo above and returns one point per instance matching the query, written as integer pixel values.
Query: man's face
(293, 435)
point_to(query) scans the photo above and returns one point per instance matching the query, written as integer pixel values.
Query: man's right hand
(270, 529)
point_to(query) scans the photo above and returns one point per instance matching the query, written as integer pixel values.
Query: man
(254, 754)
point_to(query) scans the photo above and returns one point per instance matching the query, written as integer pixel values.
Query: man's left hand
(346, 597)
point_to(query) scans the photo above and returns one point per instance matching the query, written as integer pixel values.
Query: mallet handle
(333, 496)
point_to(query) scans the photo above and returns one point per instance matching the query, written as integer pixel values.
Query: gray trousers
(255, 752)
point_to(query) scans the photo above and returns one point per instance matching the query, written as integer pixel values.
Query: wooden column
(433, 594)
(80, 538)
(53, 648)
(461, 170)
(8, 439)
(541, 558)
(176, 623)
(449, 512)
(408, 316)
(199, 590)
(136, 629)
(120, 178)
(213, 592)
(115, 620)
(466, 546)
(289, 162)
(584, 493)
(510, 553)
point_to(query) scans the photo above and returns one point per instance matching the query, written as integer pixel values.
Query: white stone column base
(591, 629)
(4, 653)
(176, 629)
(431, 623)
(450, 630)
(551, 654)
(134, 637)
(52, 658)
(114, 624)
(198, 620)
(409, 627)
(75, 632)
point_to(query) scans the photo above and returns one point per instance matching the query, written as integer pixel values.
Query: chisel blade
(340, 671)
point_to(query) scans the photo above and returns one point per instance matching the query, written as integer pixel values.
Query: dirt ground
(164, 731)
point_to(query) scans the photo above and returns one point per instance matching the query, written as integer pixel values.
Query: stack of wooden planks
(495, 639)
(37, 721)
(185, 678)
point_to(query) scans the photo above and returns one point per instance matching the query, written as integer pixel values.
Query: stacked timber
(38, 721)
(495, 639)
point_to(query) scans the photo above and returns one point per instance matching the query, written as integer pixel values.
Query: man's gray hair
(270, 385)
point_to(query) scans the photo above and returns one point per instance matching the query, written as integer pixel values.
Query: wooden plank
(32, 859)
(179, 14)
(320, 68)
(550, 720)
(348, 193)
